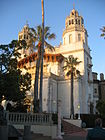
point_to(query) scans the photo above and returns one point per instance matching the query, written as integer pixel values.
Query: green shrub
(89, 119)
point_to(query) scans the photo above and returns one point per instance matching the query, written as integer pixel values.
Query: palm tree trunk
(42, 52)
(72, 100)
(36, 108)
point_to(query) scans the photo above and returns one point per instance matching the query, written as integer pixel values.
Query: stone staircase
(39, 137)
(35, 136)
(13, 132)
(70, 129)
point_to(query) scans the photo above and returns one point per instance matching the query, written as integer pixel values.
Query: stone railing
(28, 118)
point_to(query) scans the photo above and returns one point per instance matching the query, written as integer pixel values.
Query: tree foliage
(13, 83)
(103, 32)
(36, 37)
(101, 107)
(70, 65)
(70, 68)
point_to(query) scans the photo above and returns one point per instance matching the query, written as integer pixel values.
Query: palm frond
(47, 35)
(46, 30)
(33, 31)
(103, 29)
(68, 73)
(50, 47)
(51, 36)
(70, 64)
(103, 32)
(65, 67)
(35, 36)
(39, 31)
(78, 72)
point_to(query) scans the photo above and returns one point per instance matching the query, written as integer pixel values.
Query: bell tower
(24, 35)
(75, 42)
(74, 29)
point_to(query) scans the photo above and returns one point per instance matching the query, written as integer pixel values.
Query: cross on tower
(73, 5)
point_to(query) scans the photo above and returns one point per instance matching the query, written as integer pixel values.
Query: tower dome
(74, 28)
(74, 13)
(26, 28)
(74, 20)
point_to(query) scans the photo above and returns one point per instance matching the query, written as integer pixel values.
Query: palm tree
(42, 52)
(36, 39)
(103, 32)
(70, 67)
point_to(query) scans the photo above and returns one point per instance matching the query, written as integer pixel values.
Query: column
(59, 137)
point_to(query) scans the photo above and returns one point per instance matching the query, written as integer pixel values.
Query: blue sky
(15, 13)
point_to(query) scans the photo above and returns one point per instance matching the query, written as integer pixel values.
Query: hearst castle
(56, 86)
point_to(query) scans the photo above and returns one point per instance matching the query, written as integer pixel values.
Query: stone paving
(65, 137)
(76, 136)
(73, 132)
(73, 136)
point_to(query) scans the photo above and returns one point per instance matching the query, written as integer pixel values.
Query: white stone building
(56, 86)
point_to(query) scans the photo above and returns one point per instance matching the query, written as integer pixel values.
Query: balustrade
(28, 118)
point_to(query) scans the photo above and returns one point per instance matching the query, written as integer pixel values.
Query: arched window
(87, 60)
(86, 39)
(82, 21)
(72, 21)
(70, 38)
(72, 13)
(48, 57)
(79, 22)
(52, 58)
(24, 36)
(88, 75)
(20, 37)
(76, 21)
(64, 40)
(79, 37)
(95, 90)
(69, 22)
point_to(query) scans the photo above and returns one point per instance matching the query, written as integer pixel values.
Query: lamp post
(59, 136)
(54, 103)
(4, 102)
(79, 112)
